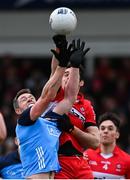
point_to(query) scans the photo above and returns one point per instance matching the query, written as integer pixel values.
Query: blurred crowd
(108, 89)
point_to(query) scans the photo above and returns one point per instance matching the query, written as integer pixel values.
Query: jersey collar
(115, 151)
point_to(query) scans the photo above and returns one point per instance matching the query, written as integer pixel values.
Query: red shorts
(74, 167)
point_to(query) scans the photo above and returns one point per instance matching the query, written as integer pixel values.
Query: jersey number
(105, 166)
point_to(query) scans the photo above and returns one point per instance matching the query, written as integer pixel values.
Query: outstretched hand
(63, 56)
(65, 50)
(60, 41)
(78, 53)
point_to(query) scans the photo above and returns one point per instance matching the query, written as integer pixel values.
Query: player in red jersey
(85, 131)
(109, 161)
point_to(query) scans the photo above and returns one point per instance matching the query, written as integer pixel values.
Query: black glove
(60, 41)
(64, 55)
(65, 124)
(78, 53)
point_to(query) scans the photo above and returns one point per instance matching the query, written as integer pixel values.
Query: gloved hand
(65, 124)
(63, 56)
(78, 53)
(60, 41)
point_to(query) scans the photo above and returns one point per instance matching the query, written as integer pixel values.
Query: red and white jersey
(82, 115)
(113, 166)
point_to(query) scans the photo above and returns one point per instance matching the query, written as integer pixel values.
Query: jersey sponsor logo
(118, 167)
(40, 155)
(53, 131)
(11, 173)
(93, 162)
(76, 113)
(82, 110)
(15, 172)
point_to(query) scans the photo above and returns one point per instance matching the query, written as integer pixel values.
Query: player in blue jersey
(39, 136)
(11, 167)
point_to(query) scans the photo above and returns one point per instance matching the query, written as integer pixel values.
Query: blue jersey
(39, 143)
(11, 167)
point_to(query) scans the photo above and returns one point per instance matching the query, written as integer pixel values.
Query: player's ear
(18, 111)
(81, 83)
(117, 135)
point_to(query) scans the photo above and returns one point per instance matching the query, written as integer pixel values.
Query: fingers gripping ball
(63, 21)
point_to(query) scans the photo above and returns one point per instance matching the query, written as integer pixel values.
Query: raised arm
(71, 88)
(60, 42)
(48, 94)
(71, 92)
(90, 138)
(50, 89)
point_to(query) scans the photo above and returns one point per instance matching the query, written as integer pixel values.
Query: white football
(63, 21)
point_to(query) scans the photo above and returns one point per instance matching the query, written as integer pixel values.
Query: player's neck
(107, 149)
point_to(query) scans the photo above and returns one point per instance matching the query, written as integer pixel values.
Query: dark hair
(22, 91)
(110, 116)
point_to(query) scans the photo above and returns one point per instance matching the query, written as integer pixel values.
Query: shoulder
(25, 119)
(122, 154)
(86, 102)
(120, 151)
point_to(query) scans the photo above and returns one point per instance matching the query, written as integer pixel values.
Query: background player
(109, 161)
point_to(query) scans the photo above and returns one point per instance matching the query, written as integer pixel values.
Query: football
(63, 21)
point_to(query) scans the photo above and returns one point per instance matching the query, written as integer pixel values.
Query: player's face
(25, 100)
(66, 77)
(108, 132)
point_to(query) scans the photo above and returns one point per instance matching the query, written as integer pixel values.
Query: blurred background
(25, 57)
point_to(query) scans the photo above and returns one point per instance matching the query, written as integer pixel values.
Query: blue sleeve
(53, 115)
(24, 118)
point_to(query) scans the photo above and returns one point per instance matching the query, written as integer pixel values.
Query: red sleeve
(90, 113)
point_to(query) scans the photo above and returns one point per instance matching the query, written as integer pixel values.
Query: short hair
(15, 100)
(109, 116)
